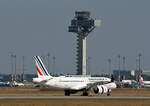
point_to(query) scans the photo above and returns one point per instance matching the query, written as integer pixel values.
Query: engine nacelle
(101, 89)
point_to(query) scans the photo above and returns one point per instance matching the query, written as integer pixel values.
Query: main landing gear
(67, 93)
(85, 93)
(108, 93)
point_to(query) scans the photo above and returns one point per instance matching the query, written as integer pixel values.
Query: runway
(74, 97)
(46, 97)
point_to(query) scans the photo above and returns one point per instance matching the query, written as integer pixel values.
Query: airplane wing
(79, 87)
(88, 86)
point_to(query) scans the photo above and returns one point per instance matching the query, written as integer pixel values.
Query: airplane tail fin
(41, 69)
(141, 79)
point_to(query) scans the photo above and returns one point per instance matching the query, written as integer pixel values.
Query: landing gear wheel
(85, 93)
(108, 94)
(67, 93)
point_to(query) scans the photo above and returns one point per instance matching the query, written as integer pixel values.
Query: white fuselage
(74, 83)
(128, 82)
(146, 82)
(40, 79)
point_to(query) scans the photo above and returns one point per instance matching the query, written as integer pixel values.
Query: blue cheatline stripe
(42, 66)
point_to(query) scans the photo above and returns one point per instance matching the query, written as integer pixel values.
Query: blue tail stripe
(41, 65)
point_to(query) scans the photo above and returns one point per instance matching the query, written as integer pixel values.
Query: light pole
(15, 60)
(124, 58)
(48, 55)
(12, 67)
(119, 67)
(54, 59)
(109, 63)
(140, 71)
(23, 68)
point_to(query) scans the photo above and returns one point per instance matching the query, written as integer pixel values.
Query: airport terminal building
(131, 74)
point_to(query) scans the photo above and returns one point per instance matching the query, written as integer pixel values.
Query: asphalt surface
(53, 97)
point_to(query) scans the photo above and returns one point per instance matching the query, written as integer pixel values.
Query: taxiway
(62, 97)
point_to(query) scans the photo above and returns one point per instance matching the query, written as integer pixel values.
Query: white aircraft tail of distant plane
(72, 84)
(145, 84)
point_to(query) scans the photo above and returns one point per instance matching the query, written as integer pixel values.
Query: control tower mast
(82, 25)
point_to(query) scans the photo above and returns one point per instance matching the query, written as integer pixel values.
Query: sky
(39, 27)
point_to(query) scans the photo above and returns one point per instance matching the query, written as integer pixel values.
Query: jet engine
(101, 89)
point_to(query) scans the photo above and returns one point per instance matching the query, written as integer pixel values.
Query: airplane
(4, 84)
(18, 84)
(72, 84)
(145, 84)
(128, 81)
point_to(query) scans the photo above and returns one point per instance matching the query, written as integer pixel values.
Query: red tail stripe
(38, 70)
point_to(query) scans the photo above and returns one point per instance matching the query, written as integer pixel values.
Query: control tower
(82, 25)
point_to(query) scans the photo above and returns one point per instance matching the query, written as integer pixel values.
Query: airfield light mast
(82, 25)
(48, 55)
(109, 63)
(12, 67)
(23, 68)
(124, 63)
(140, 70)
(15, 60)
(54, 61)
(119, 67)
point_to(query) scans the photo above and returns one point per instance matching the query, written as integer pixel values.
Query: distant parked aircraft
(145, 84)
